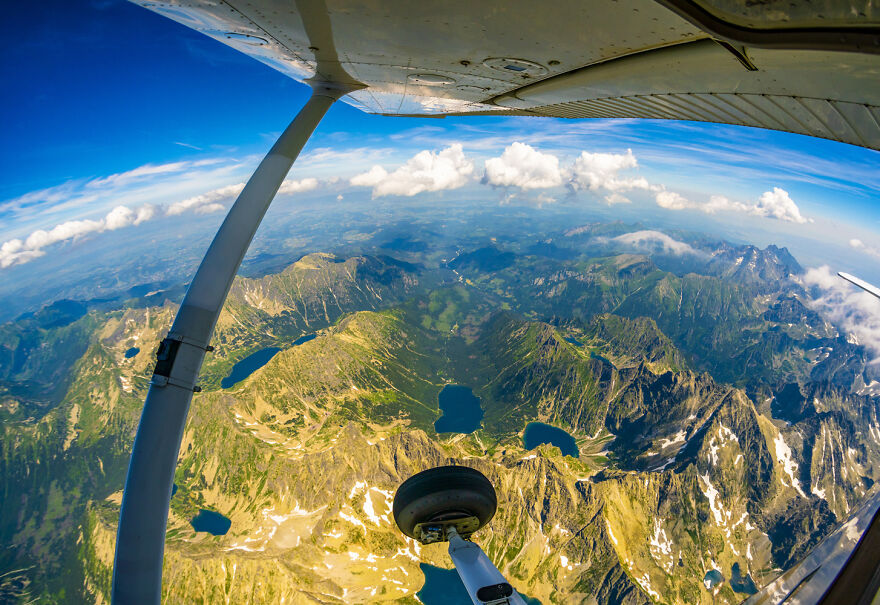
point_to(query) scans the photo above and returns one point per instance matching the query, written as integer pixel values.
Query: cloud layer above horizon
(18, 251)
(516, 168)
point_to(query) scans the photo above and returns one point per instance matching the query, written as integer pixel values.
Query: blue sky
(110, 105)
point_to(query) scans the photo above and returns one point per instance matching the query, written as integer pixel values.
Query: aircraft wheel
(443, 493)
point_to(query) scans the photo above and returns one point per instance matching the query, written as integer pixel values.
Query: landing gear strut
(448, 504)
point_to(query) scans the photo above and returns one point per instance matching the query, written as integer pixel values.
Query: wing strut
(140, 538)
(873, 290)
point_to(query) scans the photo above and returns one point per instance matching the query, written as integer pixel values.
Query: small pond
(211, 522)
(574, 341)
(132, 352)
(248, 366)
(461, 410)
(537, 433)
(713, 578)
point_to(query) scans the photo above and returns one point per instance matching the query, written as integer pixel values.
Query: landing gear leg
(480, 577)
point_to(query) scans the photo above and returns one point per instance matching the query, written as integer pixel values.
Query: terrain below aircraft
(795, 65)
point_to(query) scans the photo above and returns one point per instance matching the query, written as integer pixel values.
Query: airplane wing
(788, 65)
(873, 290)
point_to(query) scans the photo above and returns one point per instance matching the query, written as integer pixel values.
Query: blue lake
(740, 583)
(537, 433)
(211, 522)
(461, 410)
(600, 358)
(248, 366)
(713, 578)
(132, 352)
(574, 341)
(444, 587)
(303, 339)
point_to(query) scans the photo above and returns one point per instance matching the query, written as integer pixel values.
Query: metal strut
(483, 581)
(140, 538)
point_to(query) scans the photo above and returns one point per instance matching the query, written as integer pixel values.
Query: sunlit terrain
(634, 329)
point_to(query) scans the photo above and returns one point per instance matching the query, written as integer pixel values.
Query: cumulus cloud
(523, 166)
(854, 311)
(290, 186)
(617, 198)
(775, 204)
(207, 202)
(17, 251)
(655, 241)
(426, 171)
(601, 172)
(673, 201)
(860, 245)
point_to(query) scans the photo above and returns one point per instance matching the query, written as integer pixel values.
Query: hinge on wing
(165, 356)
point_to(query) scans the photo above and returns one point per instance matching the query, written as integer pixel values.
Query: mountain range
(717, 414)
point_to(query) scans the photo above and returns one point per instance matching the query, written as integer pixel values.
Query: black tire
(443, 492)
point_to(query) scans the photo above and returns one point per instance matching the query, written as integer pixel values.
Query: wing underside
(574, 58)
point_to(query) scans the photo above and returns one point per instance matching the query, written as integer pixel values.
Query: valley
(716, 425)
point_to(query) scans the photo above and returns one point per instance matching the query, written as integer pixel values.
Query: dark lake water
(211, 522)
(461, 410)
(255, 361)
(574, 341)
(741, 583)
(600, 358)
(248, 366)
(303, 339)
(444, 587)
(537, 433)
(132, 352)
(713, 578)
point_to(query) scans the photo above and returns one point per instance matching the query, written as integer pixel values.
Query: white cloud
(617, 198)
(860, 245)
(775, 204)
(206, 202)
(601, 171)
(149, 170)
(522, 166)
(146, 190)
(718, 203)
(371, 178)
(290, 186)
(426, 171)
(16, 251)
(856, 312)
(673, 201)
(655, 241)
(23, 249)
